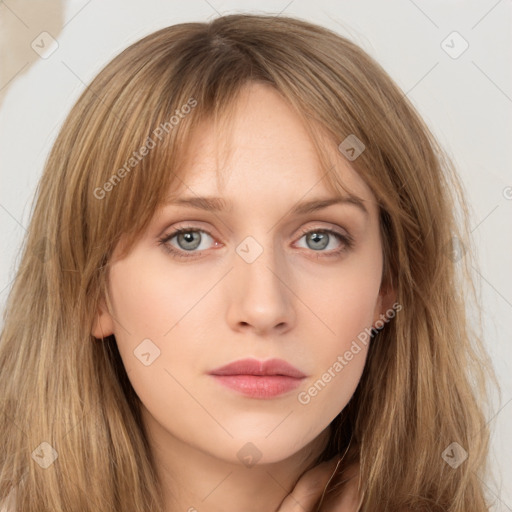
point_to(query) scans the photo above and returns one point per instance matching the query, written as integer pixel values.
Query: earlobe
(387, 297)
(103, 325)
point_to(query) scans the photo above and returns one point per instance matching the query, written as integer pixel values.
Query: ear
(385, 302)
(103, 325)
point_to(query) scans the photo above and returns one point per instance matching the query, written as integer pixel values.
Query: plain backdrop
(451, 58)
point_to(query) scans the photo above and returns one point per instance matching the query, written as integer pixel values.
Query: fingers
(309, 489)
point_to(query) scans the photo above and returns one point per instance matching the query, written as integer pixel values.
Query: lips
(255, 367)
(259, 379)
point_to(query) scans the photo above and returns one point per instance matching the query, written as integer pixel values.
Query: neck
(193, 480)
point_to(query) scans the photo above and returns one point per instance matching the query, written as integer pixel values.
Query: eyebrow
(217, 204)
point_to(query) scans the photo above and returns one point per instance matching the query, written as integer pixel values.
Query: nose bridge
(261, 297)
(256, 262)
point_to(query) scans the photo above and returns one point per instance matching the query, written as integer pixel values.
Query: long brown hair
(424, 384)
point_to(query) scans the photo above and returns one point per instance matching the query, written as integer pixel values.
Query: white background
(467, 102)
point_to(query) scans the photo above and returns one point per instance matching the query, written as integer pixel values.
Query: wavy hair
(426, 378)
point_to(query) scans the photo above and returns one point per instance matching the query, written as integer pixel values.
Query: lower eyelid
(345, 239)
(165, 240)
(346, 243)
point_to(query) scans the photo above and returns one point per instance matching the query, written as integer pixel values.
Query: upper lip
(255, 367)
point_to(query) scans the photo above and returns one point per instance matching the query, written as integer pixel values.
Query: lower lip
(255, 386)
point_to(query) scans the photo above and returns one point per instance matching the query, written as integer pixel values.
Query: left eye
(319, 239)
(190, 239)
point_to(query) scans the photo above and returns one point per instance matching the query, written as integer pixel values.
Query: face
(253, 280)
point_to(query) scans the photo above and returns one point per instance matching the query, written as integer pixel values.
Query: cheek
(156, 312)
(344, 297)
(346, 305)
(149, 298)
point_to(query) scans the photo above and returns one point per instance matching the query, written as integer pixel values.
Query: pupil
(318, 238)
(188, 238)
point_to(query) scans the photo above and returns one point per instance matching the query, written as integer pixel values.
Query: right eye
(188, 239)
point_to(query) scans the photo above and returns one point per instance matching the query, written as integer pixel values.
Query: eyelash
(347, 241)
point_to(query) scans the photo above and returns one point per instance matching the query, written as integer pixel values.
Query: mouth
(259, 379)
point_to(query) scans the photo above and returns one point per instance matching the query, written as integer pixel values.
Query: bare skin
(207, 306)
(311, 486)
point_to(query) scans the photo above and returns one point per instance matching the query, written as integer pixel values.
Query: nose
(260, 290)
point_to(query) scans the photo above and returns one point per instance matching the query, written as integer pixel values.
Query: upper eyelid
(344, 238)
(173, 231)
(347, 240)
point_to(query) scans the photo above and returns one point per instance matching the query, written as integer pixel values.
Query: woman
(243, 286)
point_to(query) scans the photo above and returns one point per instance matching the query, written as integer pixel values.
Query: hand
(308, 491)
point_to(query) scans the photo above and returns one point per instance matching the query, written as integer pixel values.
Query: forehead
(261, 146)
(259, 159)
